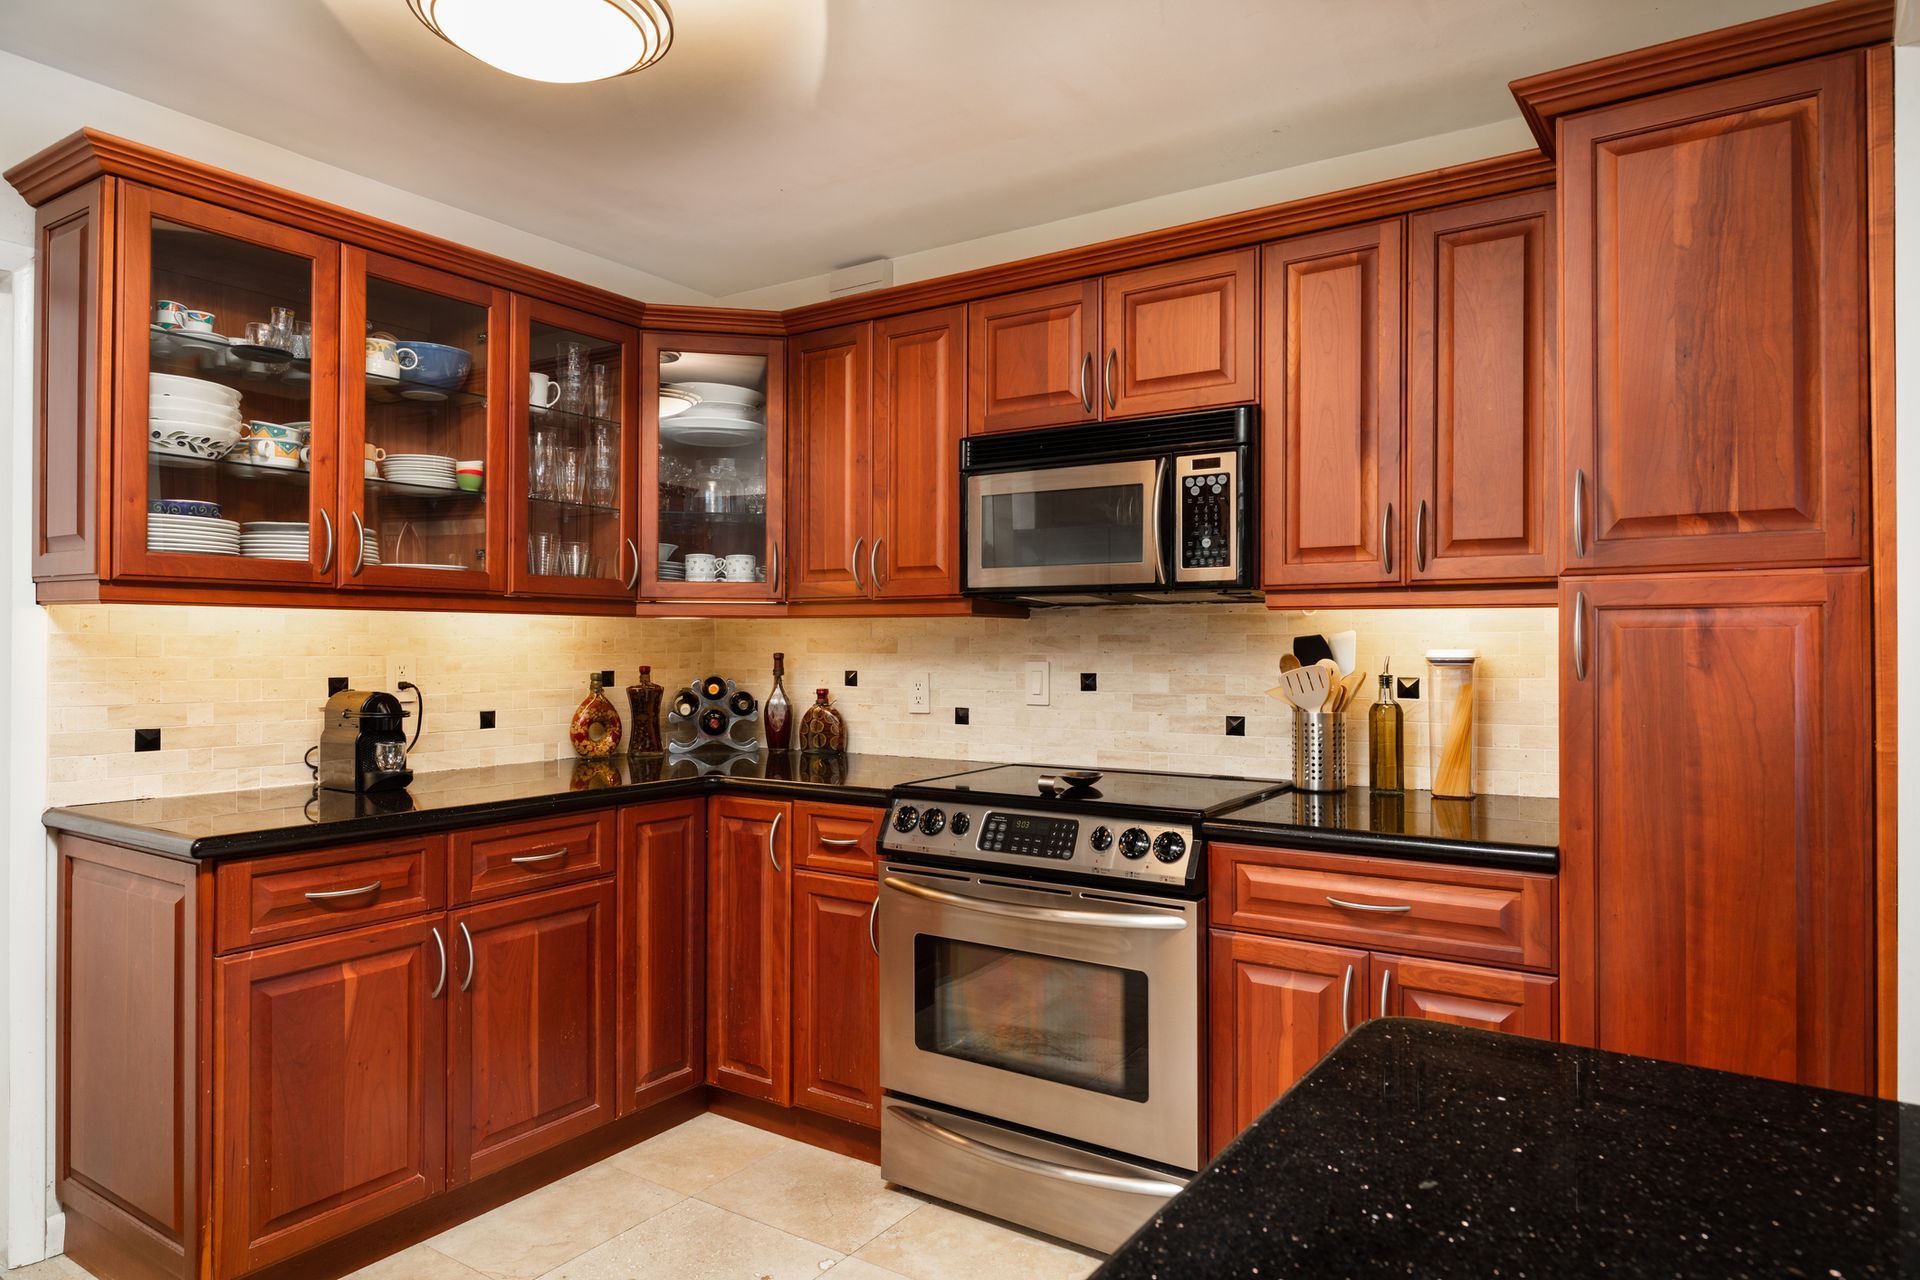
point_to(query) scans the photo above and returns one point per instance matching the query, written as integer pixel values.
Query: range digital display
(1029, 835)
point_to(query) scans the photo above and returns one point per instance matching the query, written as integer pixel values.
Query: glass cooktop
(1192, 795)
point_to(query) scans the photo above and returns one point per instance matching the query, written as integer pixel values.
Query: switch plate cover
(1036, 685)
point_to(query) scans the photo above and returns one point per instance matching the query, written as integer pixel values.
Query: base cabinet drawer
(840, 838)
(260, 901)
(497, 862)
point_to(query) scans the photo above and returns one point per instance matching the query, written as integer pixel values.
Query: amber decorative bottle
(823, 731)
(643, 702)
(1386, 756)
(777, 713)
(596, 725)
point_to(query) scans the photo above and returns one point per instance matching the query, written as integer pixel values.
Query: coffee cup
(742, 568)
(542, 392)
(383, 358)
(169, 315)
(470, 475)
(702, 567)
(376, 454)
(197, 321)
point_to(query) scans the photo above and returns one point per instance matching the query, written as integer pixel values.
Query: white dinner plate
(721, 393)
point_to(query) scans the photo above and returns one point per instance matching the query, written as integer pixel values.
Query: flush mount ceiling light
(558, 41)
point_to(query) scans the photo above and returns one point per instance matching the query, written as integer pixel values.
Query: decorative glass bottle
(777, 713)
(823, 731)
(1386, 757)
(643, 701)
(595, 730)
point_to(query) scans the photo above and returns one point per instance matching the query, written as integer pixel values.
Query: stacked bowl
(191, 417)
(722, 416)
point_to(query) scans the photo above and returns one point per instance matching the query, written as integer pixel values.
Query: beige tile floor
(717, 1200)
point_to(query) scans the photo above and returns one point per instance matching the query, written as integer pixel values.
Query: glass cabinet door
(712, 476)
(424, 428)
(575, 529)
(228, 333)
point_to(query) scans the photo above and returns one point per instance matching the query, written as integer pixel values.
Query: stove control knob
(905, 818)
(961, 821)
(933, 822)
(1134, 843)
(1170, 846)
(1101, 839)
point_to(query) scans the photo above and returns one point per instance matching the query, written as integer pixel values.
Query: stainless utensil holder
(1319, 751)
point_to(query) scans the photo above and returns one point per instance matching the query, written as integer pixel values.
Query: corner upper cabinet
(1180, 336)
(572, 405)
(713, 460)
(1031, 358)
(1715, 323)
(1481, 391)
(831, 395)
(1330, 395)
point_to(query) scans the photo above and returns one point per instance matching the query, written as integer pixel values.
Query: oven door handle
(1048, 915)
(1161, 1187)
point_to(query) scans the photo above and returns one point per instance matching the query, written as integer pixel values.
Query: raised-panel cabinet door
(332, 1087)
(1330, 393)
(1481, 388)
(919, 407)
(1276, 1008)
(1179, 336)
(1031, 358)
(533, 1025)
(836, 998)
(663, 953)
(1716, 848)
(749, 926)
(830, 393)
(1715, 322)
(1465, 995)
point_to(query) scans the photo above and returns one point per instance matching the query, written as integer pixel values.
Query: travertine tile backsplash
(237, 692)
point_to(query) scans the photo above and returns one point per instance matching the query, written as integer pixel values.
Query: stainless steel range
(1041, 935)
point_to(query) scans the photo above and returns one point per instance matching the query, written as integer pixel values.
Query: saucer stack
(192, 535)
(425, 470)
(722, 416)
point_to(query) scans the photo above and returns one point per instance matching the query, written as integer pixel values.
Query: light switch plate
(920, 694)
(1037, 692)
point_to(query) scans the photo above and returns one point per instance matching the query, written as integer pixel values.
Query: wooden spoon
(1288, 663)
(1350, 689)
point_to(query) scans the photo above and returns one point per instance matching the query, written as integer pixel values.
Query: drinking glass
(602, 394)
(600, 479)
(573, 377)
(280, 328)
(303, 340)
(540, 554)
(540, 478)
(573, 559)
(570, 476)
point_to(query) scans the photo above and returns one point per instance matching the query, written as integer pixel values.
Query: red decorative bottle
(777, 712)
(595, 730)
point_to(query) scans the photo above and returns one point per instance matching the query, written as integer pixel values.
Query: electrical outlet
(1036, 686)
(399, 669)
(920, 695)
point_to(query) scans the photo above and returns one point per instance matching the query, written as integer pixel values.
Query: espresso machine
(363, 743)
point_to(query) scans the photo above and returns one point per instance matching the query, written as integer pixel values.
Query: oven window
(1102, 525)
(1067, 1021)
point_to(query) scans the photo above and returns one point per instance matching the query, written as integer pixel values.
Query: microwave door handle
(1044, 915)
(1159, 495)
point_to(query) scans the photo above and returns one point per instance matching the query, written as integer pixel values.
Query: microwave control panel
(1206, 489)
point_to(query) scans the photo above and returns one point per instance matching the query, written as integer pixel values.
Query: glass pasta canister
(1450, 722)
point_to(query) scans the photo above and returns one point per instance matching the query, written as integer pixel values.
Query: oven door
(1075, 1012)
(1089, 526)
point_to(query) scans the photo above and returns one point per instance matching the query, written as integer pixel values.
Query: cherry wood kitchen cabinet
(1331, 332)
(1715, 322)
(1031, 357)
(662, 951)
(830, 377)
(532, 996)
(331, 1106)
(1180, 336)
(1482, 385)
(749, 932)
(836, 997)
(1715, 821)
(1466, 995)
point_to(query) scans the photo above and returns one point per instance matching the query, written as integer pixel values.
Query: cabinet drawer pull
(853, 564)
(533, 859)
(1086, 377)
(1579, 512)
(334, 895)
(1385, 978)
(1369, 906)
(440, 983)
(1346, 1002)
(466, 983)
(873, 918)
(1579, 635)
(836, 842)
(773, 830)
(1106, 375)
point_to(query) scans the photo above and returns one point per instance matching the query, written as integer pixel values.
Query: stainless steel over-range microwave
(1148, 509)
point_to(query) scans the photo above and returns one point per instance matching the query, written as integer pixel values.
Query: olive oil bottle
(1386, 757)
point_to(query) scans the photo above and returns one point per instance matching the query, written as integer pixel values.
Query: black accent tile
(337, 684)
(960, 716)
(1089, 681)
(146, 739)
(606, 680)
(852, 679)
(486, 719)
(1406, 686)
(1236, 726)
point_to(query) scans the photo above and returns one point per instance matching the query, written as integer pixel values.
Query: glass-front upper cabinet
(229, 331)
(576, 533)
(713, 469)
(423, 429)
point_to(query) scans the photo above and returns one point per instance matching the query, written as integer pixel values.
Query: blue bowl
(439, 366)
(178, 507)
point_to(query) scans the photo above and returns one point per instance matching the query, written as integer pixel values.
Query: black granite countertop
(1421, 1149)
(278, 819)
(1521, 832)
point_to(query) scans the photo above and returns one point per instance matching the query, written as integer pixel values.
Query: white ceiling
(782, 138)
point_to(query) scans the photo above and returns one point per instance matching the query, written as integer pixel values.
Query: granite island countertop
(1423, 1149)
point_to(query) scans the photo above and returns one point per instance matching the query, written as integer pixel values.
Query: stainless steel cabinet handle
(853, 564)
(329, 895)
(1086, 378)
(772, 831)
(1579, 512)
(1420, 536)
(1106, 375)
(1159, 491)
(326, 522)
(466, 983)
(359, 544)
(773, 574)
(873, 918)
(1050, 915)
(440, 983)
(835, 842)
(1579, 635)
(1162, 1187)
(1368, 906)
(1346, 1001)
(633, 577)
(873, 563)
(1385, 978)
(1386, 532)
(534, 859)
